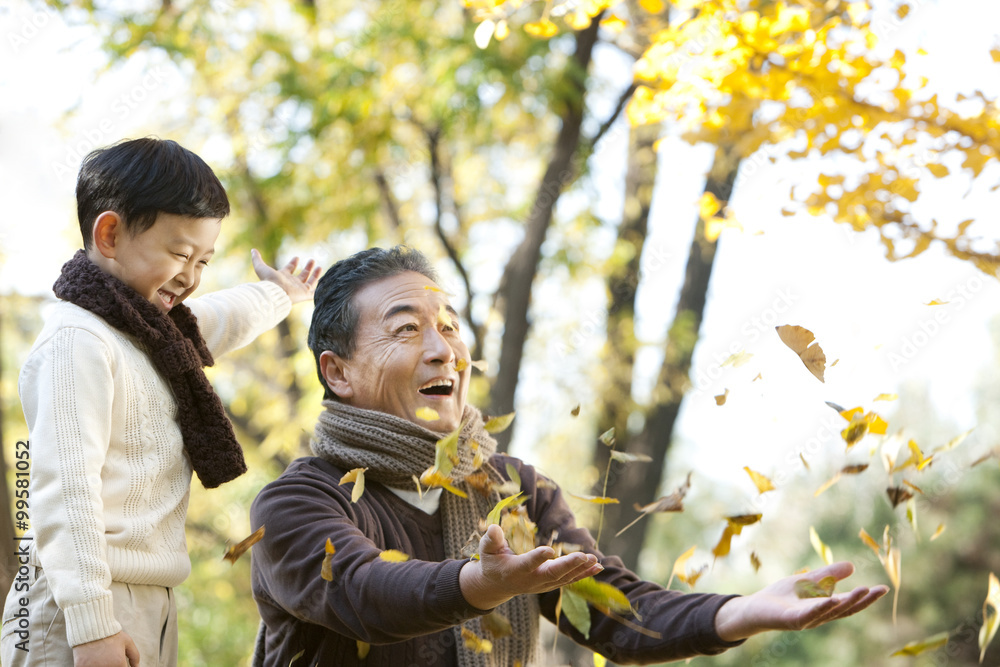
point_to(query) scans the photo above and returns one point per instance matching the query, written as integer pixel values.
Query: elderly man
(396, 375)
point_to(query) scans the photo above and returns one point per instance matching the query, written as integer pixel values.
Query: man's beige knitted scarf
(394, 450)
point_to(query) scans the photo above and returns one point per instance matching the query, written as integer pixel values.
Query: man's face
(406, 355)
(164, 263)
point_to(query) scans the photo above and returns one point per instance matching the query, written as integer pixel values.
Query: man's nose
(437, 348)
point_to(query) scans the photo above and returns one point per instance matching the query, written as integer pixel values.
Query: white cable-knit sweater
(109, 477)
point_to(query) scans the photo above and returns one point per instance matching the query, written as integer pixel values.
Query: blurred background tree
(337, 126)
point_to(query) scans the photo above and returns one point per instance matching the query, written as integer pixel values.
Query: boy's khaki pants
(147, 614)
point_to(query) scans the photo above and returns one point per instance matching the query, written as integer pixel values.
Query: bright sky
(865, 311)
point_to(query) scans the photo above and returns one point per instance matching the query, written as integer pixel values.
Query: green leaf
(499, 424)
(513, 474)
(576, 611)
(805, 588)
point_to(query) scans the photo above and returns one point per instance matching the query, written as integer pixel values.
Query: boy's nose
(185, 277)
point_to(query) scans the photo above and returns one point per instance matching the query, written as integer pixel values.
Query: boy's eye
(181, 255)
(204, 262)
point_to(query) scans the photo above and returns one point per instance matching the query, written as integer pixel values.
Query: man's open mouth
(438, 387)
(167, 298)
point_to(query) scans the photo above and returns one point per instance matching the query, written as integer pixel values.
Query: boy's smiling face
(163, 263)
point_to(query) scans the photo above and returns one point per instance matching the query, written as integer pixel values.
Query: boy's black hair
(335, 318)
(139, 178)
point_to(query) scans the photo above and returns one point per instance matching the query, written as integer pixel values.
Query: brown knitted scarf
(178, 351)
(394, 450)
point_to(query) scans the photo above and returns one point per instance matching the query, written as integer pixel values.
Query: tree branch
(606, 125)
(434, 147)
(388, 201)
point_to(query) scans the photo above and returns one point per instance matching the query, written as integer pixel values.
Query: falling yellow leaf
(600, 660)
(496, 624)
(708, 206)
(427, 414)
(601, 595)
(722, 547)
(937, 533)
(755, 561)
(680, 565)
(861, 424)
(433, 478)
(234, 552)
(394, 556)
(608, 437)
(358, 477)
(821, 548)
(991, 616)
(432, 288)
(670, 503)
(652, 6)
(691, 578)
(737, 359)
(886, 397)
(803, 343)
(762, 483)
(576, 410)
(595, 500)
(461, 364)
(721, 398)
(326, 571)
(363, 649)
(475, 643)
(498, 424)
(804, 462)
(898, 494)
(627, 457)
(806, 588)
(936, 302)
(482, 365)
(494, 515)
(759, 377)
(923, 645)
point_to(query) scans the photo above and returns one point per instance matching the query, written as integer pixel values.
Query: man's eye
(407, 327)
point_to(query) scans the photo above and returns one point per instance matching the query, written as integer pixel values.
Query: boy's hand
(115, 651)
(298, 288)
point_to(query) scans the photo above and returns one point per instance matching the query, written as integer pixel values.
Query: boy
(120, 412)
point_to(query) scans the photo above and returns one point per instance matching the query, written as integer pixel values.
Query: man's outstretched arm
(778, 607)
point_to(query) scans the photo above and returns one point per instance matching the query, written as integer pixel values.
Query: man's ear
(333, 368)
(108, 230)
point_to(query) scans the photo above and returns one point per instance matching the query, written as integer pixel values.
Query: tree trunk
(514, 293)
(638, 483)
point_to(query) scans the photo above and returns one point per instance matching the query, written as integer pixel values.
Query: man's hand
(298, 288)
(115, 651)
(777, 607)
(500, 574)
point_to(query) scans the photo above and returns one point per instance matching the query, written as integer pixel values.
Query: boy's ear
(333, 368)
(108, 229)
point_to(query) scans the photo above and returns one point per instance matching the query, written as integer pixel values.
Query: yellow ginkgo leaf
(601, 594)
(363, 649)
(803, 343)
(991, 616)
(358, 477)
(937, 533)
(326, 570)
(737, 359)
(496, 624)
(652, 6)
(494, 515)
(708, 206)
(427, 414)
(600, 660)
(721, 398)
(762, 483)
(475, 643)
(394, 556)
(680, 565)
(807, 588)
(755, 561)
(444, 317)
(595, 500)
(498, 424)
(461, 364)
(923, 645)
(887, 397)
(821, 548)
(234, 552)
